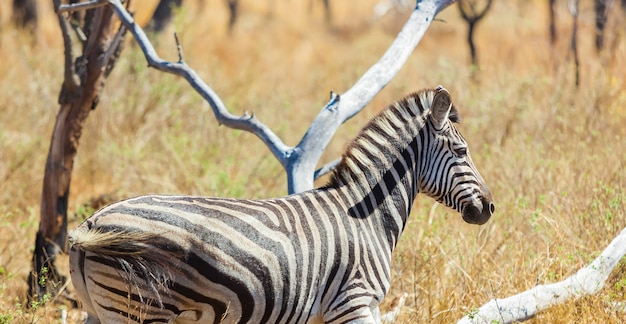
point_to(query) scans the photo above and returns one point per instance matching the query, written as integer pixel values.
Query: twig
(179, 48)
(223, 116)
(328, 167)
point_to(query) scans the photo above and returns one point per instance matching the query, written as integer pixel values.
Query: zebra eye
(461, 152)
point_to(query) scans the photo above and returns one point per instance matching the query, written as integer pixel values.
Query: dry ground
(553, 154)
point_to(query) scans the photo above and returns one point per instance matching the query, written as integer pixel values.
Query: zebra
(319, 256)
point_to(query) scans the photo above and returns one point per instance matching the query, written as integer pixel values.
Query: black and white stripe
(322, 255)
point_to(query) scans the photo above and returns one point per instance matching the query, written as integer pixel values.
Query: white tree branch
(300, 161)
(336, 112)
(326, 168)
(223, 116)
(586, 281)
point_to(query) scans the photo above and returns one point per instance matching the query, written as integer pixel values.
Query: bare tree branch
(586, 281)
(70, 78)
(119, 36)
(179, 48)
(325, 169)
(223, 116)
(336, 112)
(300, 161)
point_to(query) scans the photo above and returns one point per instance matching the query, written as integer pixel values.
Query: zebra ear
(440, 108)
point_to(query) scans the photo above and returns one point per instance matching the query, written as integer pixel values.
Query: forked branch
(299, 161)
(336, 112)
(224, 117)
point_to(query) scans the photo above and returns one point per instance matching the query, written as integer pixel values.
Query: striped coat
(319, 256)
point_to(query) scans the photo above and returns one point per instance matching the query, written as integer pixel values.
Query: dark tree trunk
(552, 8)
(471, 15)
(162, 15)
(83, 82)
(233, 6)
(574, 41)
(601, 9)
(470, 42)
(25, 14)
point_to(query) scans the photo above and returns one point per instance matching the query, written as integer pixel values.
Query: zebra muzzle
(474, 215)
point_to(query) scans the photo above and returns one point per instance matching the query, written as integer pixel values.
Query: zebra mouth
(473, 215)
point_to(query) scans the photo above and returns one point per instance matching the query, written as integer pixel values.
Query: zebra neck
(382, 193)
(379, 171)
(389, 186)
(379, 168)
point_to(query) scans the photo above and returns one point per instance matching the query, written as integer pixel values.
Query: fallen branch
(587, 281)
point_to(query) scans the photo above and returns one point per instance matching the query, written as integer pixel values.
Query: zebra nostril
(492, 208)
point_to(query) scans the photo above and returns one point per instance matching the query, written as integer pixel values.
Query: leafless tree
(84, 78)
(472, 14)
(25, 14)
(163, 15)
(601, 8)
(233, 10)
(552, 23)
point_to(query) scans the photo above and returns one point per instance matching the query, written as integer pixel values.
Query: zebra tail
(143, 256)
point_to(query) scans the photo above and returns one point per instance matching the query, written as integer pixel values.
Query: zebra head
(448, 174)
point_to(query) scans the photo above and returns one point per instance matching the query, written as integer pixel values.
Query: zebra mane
(387, 129)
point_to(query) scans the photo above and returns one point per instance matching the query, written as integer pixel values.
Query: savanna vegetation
(553, 153)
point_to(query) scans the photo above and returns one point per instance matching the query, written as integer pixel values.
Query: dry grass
(552, 154)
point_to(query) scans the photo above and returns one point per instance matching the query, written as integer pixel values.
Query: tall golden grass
(553, 154)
